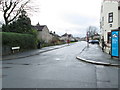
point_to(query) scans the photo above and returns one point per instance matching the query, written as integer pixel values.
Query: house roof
(70, 35)
(53, 34)
(39, 27)
(65, 35)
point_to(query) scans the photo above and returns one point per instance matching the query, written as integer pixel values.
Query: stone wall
(6, 50)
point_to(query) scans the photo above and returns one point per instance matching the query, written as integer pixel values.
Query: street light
(87, 35)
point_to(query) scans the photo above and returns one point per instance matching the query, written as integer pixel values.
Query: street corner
(97, 62)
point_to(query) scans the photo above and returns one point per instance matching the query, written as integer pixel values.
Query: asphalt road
(58, 69)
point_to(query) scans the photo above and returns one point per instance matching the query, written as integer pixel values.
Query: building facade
(43, 33)
(66, 37)
(109, 20)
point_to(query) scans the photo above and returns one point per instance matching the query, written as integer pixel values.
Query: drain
(5, 67)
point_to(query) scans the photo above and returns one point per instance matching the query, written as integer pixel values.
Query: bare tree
(12, 8)
(91, 31)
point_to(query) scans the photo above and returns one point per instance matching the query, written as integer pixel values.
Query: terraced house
(109, 20)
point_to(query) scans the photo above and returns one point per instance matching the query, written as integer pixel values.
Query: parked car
(94, 41)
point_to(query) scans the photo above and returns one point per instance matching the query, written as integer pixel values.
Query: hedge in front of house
(25, 41)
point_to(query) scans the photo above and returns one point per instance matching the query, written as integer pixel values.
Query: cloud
(72, 16)
(77, 31)
(79, 20)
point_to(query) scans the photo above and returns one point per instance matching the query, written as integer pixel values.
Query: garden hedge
(25, 41)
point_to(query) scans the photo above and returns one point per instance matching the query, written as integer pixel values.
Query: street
(58, 69)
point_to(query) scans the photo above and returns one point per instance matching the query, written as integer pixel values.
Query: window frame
(110, 17)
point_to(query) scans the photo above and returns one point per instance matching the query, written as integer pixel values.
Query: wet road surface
(58, 69)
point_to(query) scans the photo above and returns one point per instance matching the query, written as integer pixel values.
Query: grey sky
(71, 16)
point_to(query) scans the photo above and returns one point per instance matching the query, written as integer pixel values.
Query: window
(109, 37)
(103, 19)
(110, 17)
(101, 9)
(118, 7)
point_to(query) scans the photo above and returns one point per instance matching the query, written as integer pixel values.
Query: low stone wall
(6, 50)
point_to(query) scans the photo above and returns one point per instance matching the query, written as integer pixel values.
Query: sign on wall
(115, 44)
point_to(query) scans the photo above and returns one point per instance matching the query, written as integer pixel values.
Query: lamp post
(87, 35)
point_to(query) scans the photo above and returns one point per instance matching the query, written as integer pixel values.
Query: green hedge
(25, 41)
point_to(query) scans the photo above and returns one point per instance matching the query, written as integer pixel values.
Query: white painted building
(109, 20)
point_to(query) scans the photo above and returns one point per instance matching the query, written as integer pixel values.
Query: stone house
(109, 20)
(43, 33)
(66, 36)
(55, 38)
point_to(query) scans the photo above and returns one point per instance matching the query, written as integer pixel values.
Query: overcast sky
(71, 16)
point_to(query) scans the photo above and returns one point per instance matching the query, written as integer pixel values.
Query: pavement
(32, 52)
(94, 55)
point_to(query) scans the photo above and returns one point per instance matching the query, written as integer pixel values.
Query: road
(58, 69)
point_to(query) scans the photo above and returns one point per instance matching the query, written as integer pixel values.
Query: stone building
(43, 33)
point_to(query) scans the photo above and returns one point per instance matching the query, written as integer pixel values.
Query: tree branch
(6, 4)
(14, 5)
(12, 8)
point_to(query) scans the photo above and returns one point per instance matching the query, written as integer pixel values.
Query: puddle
(58, 59)
(100, 66)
